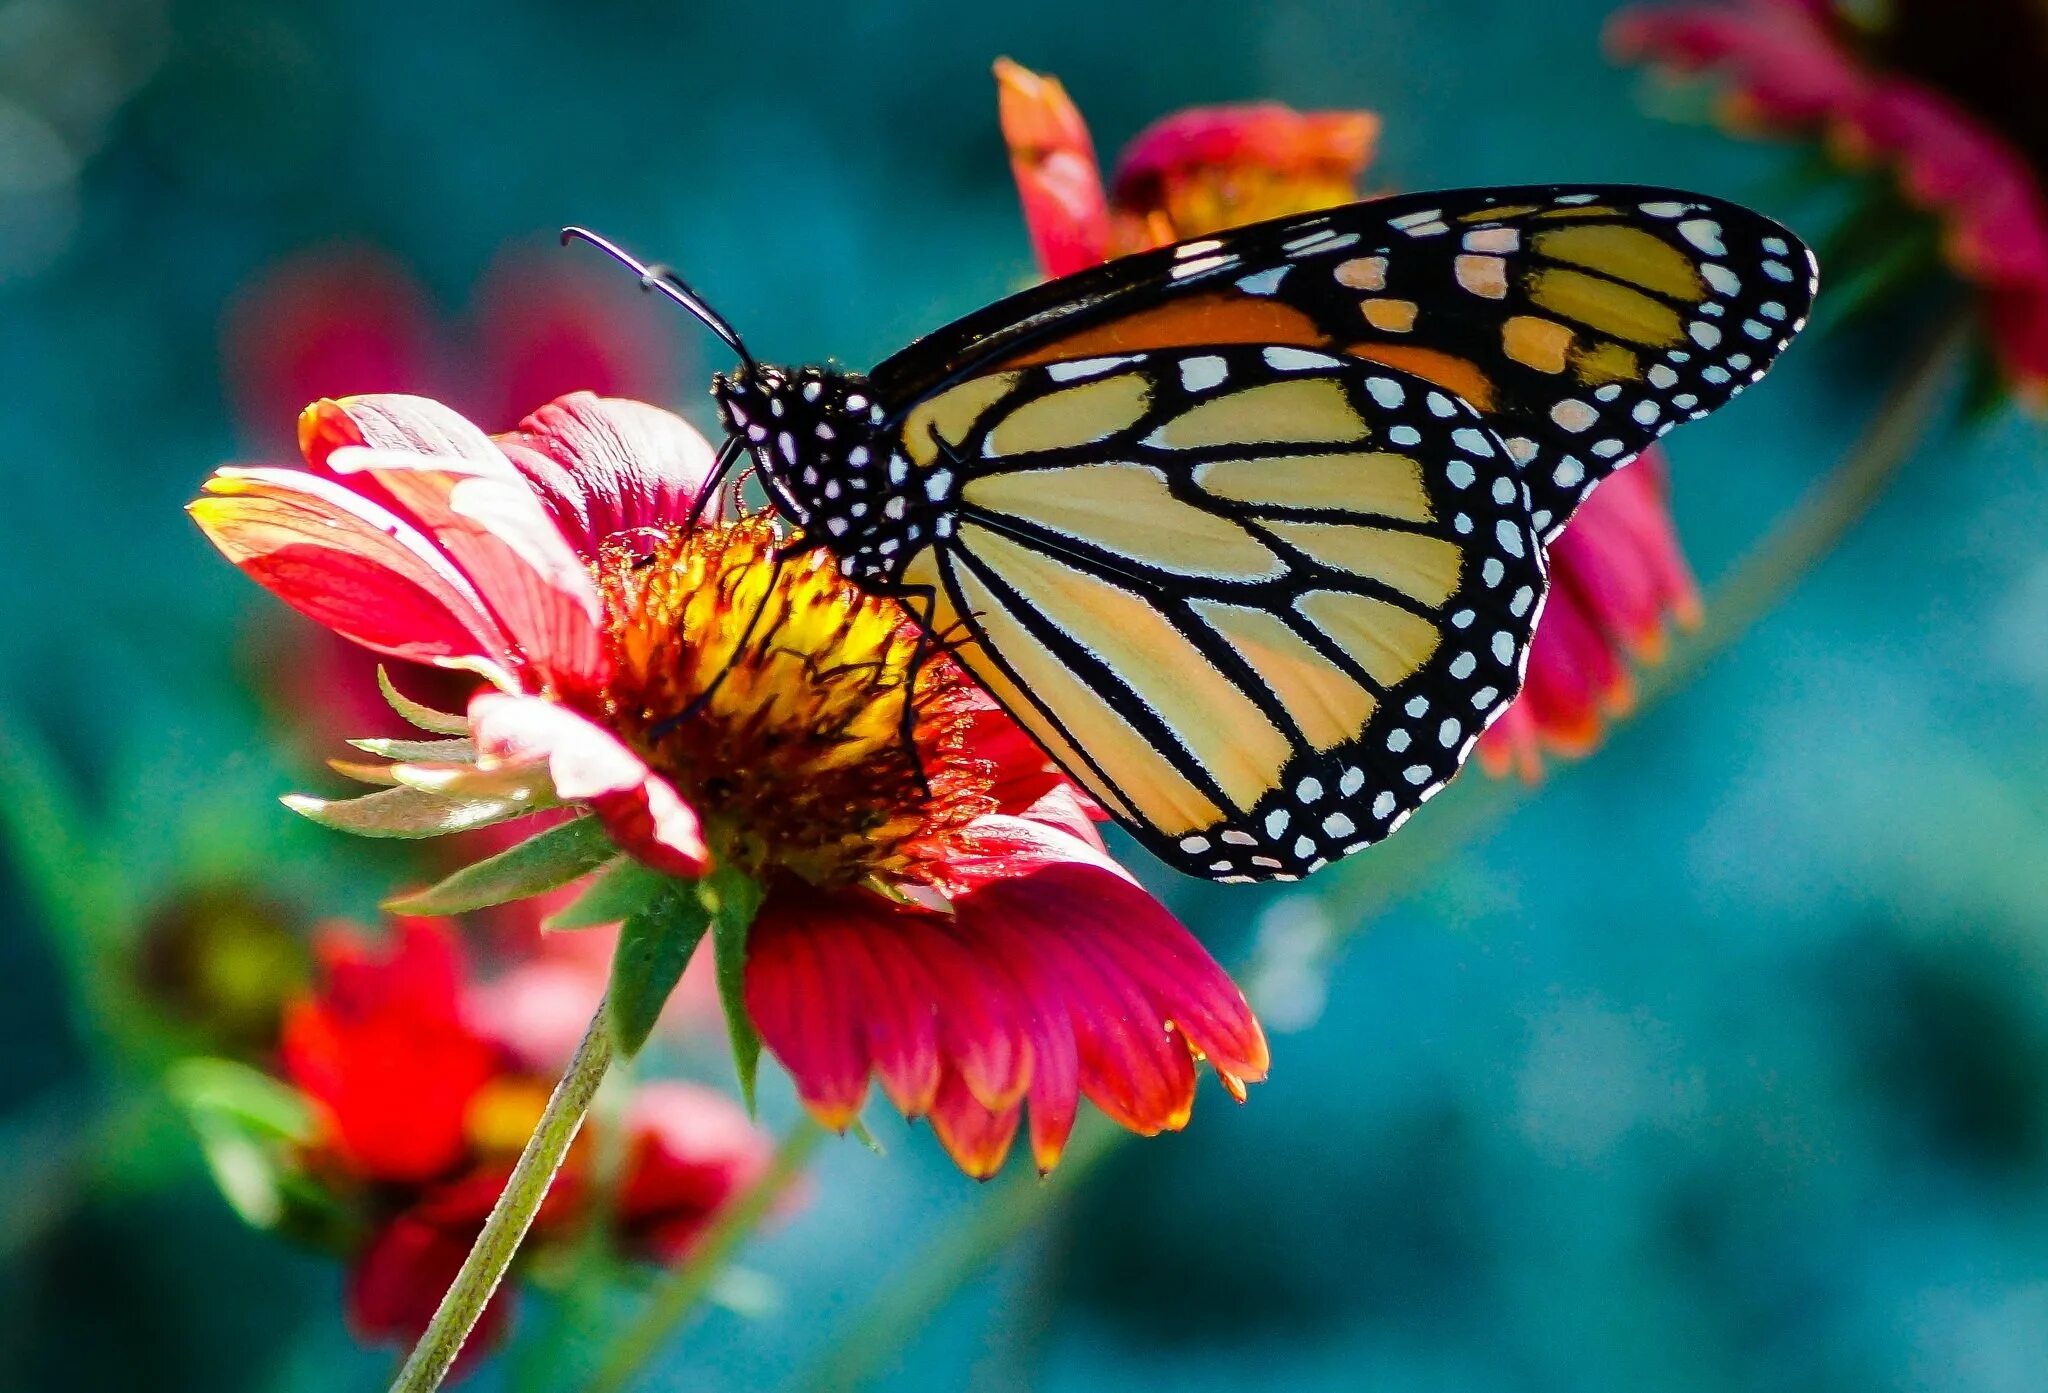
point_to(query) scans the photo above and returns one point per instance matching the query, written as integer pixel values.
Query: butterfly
(1248, 532)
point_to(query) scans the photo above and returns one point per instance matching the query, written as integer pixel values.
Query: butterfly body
(1248, 532)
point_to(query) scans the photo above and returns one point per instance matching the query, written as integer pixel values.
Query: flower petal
(491, 524)
(977, 1138)
(798, 1000)
(348, 563)
(1216, 167)
(588, 764)
(603, 467)
(392, 421)
(1053, 159)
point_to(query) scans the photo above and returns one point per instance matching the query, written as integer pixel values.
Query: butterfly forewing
(1261, 600)
(1582, 322)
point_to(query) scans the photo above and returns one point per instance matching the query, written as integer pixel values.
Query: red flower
(1193, 173)
(1617, 581)
(1941, 97)
(423, 1112)
(387, 1051)
(1616, 574)
(946, 919)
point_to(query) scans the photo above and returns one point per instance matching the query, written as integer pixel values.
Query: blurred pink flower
(1943, 98)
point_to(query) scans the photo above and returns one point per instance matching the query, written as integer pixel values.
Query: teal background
(1719, 1065)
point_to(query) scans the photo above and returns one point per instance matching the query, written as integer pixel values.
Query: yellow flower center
(774, 698)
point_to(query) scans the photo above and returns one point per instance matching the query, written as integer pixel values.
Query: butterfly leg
(662, 729)
(920, 655)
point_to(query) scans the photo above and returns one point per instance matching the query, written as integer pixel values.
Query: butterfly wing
(1581, 321)
(1260, 600)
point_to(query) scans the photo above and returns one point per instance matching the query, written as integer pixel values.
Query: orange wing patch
(1459, 376)
(1203, 319)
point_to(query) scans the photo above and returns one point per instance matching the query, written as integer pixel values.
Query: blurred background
(1721, 1063)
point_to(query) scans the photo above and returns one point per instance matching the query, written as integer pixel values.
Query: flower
(939, 915)
(419, 1113)
(1618, 580)
(1938, 97)
(1193, 173)
(1617, 574)
(333, 320)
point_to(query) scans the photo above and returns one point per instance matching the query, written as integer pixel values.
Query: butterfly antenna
(721, 465)
(657, 277)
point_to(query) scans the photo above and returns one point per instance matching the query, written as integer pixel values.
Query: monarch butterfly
(1248, 532)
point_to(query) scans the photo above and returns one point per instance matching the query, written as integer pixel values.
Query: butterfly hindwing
(1260, 600)
(1582, 322)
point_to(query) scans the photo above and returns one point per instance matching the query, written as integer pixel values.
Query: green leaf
(654, 947)
(623, 888)
(425, 717)
(543, 862)
(734, 900)
(246, 1123)
(405, 812)
(431, 751)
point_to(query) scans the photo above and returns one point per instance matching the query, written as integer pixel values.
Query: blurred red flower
(946, 918)
(1617, 574)
(420, 1113)
(1942, 98)
(351, 319)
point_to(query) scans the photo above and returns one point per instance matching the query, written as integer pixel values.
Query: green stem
(1763, 577)
(513, 1214)
(679, 1291)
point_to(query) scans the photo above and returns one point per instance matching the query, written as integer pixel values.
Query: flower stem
(679, 1292)
(511, 1216)
(1763, 577)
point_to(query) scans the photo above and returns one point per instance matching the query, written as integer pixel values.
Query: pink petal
(1261, 136)
(1053, 159)
(977, 1138)
(603, 467)
(641, 810)
(490, 523)
(347, 562)
(393, 421)
(797, 997)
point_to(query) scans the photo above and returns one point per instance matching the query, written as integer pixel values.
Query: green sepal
(425, 717)
(545, 861)
(860, 1133)
(655, 944)
(620, 890)
(426, 751)
(734, 899)
(406, 812)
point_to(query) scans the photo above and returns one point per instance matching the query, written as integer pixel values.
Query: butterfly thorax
(828, 460)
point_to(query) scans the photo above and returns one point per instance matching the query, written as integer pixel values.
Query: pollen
(808, 723)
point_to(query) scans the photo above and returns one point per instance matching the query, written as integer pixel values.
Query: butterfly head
(817, 437)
